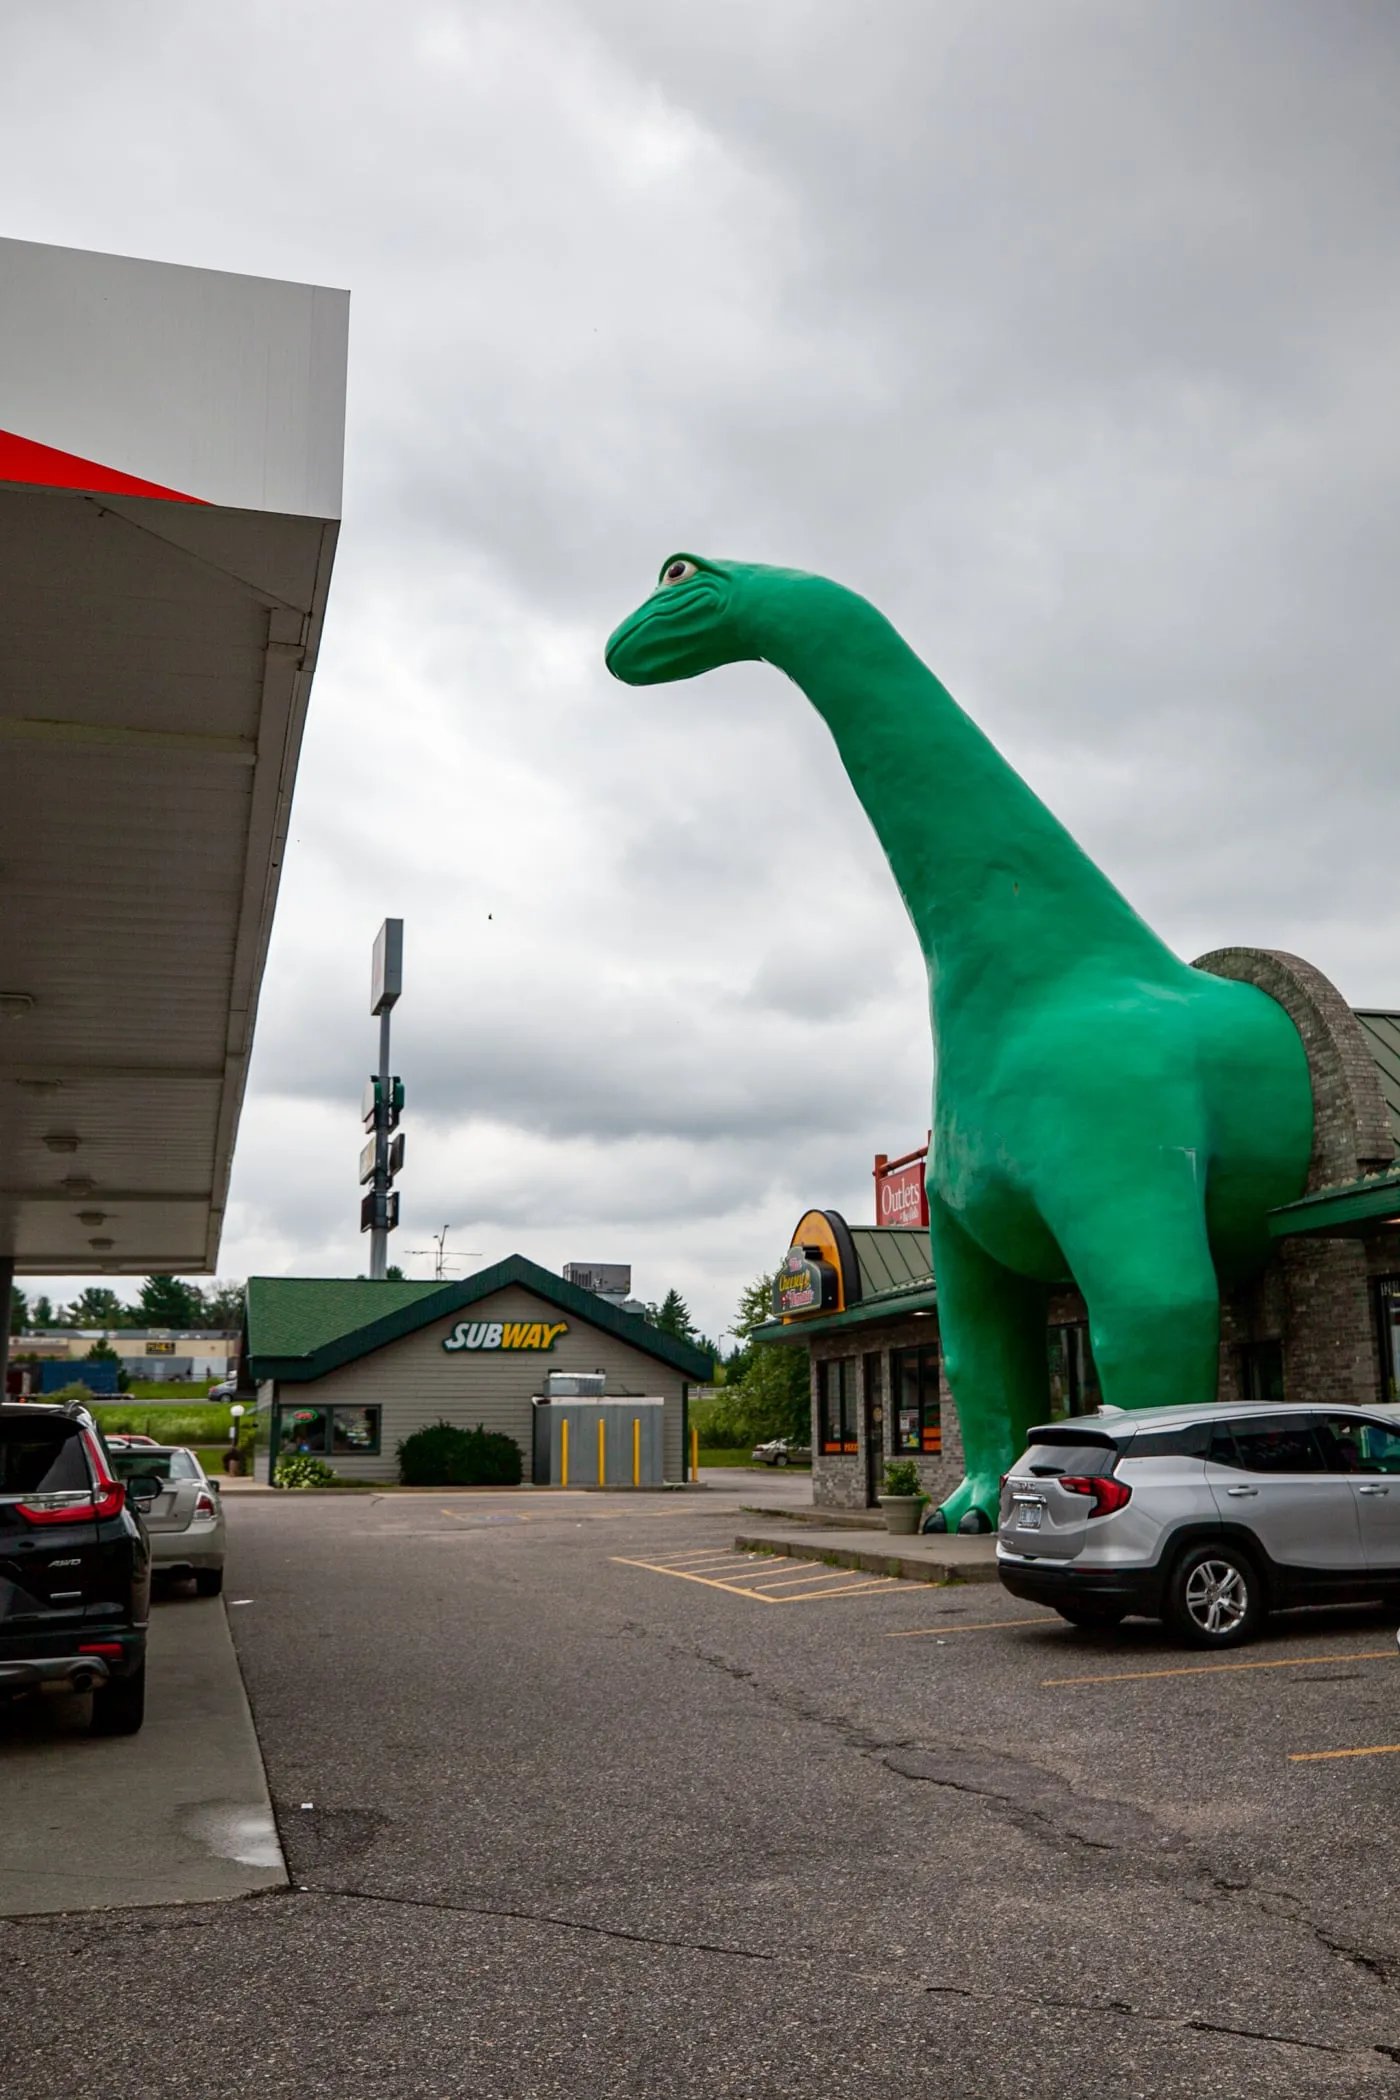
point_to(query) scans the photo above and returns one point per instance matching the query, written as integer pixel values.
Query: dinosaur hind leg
(992, 1328)
(1142, 1259)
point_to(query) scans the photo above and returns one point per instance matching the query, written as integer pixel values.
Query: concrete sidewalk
(177, 1814)
(926, 1557)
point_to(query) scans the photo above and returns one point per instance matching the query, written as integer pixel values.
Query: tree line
(764, 1391)
(163, 1301)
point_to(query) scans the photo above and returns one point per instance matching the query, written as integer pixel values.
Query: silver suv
(1206, 1517)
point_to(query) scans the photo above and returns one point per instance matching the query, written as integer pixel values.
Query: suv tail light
(58, 1509)
(1108, 1495)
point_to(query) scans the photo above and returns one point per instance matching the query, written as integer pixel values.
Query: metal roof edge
(861, 1314)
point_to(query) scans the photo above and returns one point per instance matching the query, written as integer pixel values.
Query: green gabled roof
(301, 1327)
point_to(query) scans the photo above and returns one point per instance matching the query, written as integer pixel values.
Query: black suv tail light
(1107, 1495)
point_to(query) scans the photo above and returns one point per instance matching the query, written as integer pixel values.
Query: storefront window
(324, 1431)
(918, 1420)
(355, 1431)
(836, 1406)
(303, 1429)
(1388, 1331)
(1260, 1368)
(1074, 1378)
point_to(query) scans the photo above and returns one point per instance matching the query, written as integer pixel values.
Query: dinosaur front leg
(992, 1327)
(1140, 1254)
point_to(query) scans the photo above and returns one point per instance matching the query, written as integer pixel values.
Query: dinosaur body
(1101, 1112)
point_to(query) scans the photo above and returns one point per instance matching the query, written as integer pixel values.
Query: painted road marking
(1288, 1662)
(862, 1586)
(921, 1633)
(1309, 1757)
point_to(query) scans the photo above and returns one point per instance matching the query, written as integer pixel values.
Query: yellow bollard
(636, 1452)
(564, 1452)
(602, 1452)
(695, 1454)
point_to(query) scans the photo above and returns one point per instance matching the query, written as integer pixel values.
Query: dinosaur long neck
(1001, 897)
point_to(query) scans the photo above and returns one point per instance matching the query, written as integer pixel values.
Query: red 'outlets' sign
(900, 1197)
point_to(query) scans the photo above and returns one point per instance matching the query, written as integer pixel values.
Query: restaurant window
(918, 1421)
(1388, 1333)
(1074, 1377)
(325, 1432)
(836, 1406)
(1260, 1369)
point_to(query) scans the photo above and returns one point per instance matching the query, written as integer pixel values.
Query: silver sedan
(186, 1519)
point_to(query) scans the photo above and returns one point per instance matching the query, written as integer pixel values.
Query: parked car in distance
(186, 1518)
(224, 1390)
(780, 1451)
(75, 1565)
(130, 1439)
(1207, 1517)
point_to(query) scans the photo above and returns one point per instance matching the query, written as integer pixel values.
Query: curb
(874, 1562)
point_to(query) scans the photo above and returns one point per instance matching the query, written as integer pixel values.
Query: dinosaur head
(692, 622)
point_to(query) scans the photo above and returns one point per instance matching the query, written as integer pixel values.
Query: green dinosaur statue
(1101, 1110)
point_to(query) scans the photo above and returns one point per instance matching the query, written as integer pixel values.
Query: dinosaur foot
(972, 1507)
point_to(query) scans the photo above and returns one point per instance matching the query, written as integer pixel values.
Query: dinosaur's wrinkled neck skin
(1000, 895)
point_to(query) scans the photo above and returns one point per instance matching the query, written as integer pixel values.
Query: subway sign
(505, 1334)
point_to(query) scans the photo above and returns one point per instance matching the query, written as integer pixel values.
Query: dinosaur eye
(677, 571)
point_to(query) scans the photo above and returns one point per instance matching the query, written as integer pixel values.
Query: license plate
(1030, 1516)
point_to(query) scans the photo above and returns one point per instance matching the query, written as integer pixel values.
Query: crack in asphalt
(537, 1917)
(1044, 1805)
(1193, 2022)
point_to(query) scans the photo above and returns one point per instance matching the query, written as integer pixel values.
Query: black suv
(75, 1566)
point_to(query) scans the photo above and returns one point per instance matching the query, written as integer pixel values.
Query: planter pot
(902, 1513)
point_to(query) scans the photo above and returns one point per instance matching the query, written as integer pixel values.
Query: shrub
(298, 1470)
(902, 1478)
(444, 1456)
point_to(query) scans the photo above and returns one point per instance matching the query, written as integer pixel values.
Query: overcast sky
(1067, 330)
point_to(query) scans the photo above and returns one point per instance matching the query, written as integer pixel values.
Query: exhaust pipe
(82, 1680)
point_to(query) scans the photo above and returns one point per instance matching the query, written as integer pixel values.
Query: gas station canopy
(170, 471)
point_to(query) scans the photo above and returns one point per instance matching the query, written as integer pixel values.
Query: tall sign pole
(382, 1157)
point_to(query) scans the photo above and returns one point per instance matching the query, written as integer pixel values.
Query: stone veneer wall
(1313, 1296)
(840, 1483)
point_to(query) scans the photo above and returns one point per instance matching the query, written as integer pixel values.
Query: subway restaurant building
(345, 1370)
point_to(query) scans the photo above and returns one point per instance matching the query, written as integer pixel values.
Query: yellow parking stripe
(1287, 1662)
(921, 1633)
(863, 1586)
(1308, 1757)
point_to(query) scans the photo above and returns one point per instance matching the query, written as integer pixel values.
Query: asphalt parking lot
(560, 1822)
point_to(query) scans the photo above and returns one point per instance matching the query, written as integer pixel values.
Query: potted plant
(903, 1500)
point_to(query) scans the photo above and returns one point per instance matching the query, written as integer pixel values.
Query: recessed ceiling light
(92, 1217)
(101, 1246)
(62, 1140)
(78, 1184)
(13, 1004)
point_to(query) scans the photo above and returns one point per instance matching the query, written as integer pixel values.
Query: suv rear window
(41, 1459)
(1053, 1460)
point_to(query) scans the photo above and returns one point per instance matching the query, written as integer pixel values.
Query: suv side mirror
(142, 1489)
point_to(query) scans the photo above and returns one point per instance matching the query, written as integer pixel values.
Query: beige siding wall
(416, 1380)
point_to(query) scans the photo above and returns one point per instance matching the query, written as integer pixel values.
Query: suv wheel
(1215, 1598)
(119, 1705)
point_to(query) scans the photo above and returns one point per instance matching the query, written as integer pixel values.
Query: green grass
(191, 1390)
